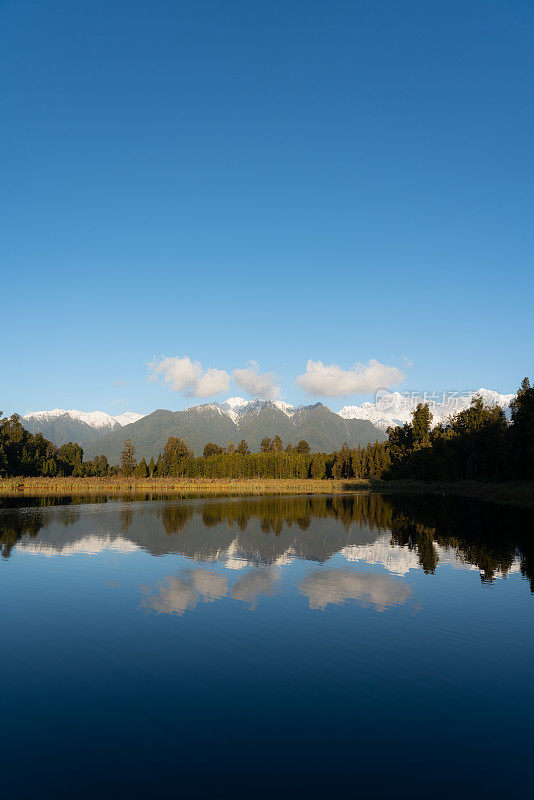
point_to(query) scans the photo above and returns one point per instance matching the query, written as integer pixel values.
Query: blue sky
(274, 182)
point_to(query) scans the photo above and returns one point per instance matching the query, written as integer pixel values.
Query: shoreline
(521, 493)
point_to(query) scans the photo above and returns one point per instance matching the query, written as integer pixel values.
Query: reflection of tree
(486, 535)
(126, 518)
(14, 524)
(408, 533)
(275, 512)
(175, 517)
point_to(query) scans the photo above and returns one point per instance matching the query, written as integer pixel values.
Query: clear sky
(277, 182)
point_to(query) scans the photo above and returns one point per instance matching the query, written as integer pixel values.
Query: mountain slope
(320, 427)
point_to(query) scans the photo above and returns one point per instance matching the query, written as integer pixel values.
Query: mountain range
(61, 426)
(231, 421)
(394, 408)
(236, 419)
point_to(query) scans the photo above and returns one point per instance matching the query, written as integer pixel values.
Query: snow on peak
(128, 417)
(287, 408)
(236, 407)
(394, 408)
(236, 402)
(95, 419)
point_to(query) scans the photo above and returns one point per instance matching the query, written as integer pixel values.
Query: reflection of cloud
(180, 592)
(339, 585)
(255, 583)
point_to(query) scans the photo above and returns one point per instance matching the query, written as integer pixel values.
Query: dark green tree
(141, 470)
(421, 422)
(211, 449)
(101, 466)
(521, 456)
(276, 444)
(128, 462)
(303, 447)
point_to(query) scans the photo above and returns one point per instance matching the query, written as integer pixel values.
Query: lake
(372, 645)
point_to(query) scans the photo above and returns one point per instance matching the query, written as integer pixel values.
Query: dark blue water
(373, 646)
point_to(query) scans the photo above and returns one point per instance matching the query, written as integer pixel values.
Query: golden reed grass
(36, 487)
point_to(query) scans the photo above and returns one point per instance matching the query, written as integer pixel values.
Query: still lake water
(373, 646)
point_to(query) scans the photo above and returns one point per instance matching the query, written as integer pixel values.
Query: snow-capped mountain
(394, 408)
(61, 426)
(234, 421)
(238, 407)
(95, 419)
(251, 420)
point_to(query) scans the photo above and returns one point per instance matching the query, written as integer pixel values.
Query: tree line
(25, 454)
(477, 443)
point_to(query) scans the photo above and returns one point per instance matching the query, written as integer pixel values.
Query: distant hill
(320, 427)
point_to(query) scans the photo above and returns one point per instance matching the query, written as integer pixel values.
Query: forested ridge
(477, 443)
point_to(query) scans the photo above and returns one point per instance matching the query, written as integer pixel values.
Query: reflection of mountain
(401, 533)
(87, 545)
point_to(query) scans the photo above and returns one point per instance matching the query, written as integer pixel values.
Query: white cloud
(212, 381)
(256, 384)
(331, 380)
(183, 375)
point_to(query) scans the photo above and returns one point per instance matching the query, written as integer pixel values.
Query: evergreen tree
(265, 445)
(421, 422)
(142, 469)
(70, 458)
(276, 444)
(128, 462)
(317, 467)
(211, 449)
(101, 466)
(174, 456)
(303, 447)
(521, 436)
